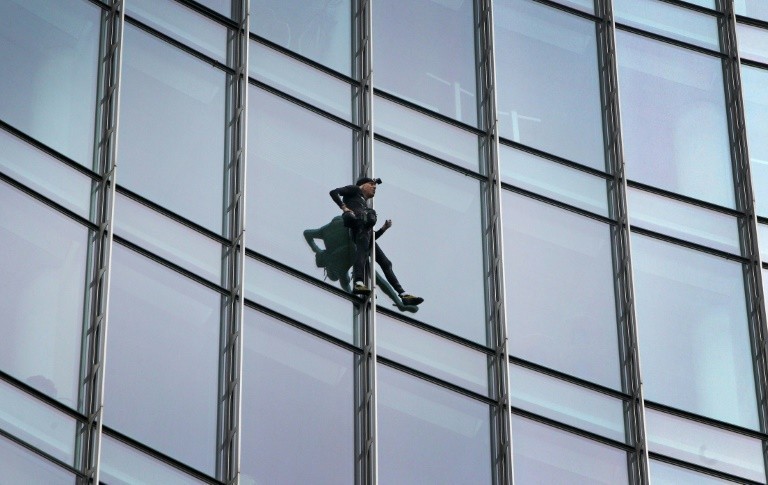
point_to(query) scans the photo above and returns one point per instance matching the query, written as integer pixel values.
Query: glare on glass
(43, 264)
(669, 20)
(666, 474)
(20, 465)
(674, 119)
(548, 83)
(415, 59)
(298, 402)
(49, 57)
(559, 290)
(693, 331)
(755, 95)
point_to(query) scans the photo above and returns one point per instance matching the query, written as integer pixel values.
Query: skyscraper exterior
(578, 190)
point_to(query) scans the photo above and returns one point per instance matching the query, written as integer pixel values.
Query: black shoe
(361, 289)
(410, 299)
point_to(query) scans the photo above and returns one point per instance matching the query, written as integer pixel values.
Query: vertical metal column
(91, 401)
(620, 234)
(231, 364)
(366, 465)
(494, 248)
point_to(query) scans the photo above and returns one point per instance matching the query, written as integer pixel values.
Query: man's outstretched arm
(337, 193)
(383, 229)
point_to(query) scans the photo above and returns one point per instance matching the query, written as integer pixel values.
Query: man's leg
(386, 267)
(362, 241)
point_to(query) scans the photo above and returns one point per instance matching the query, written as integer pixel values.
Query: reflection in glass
(435, 242)
(172, 129)
(431, 354)
(666, 474)
(426, 134)
(183, 24)
(38, 170)
(687, 150)
(669, 20)
(553, 180)
(298, 402)
(36, 423)
(297, 299)
(543, 454)
(547, 66)
(704, 445)
(417, 61)
(318, 29)
(43, 263)
(683, 221)
(300, 80)
(167, 238)
(553, 255)
(49, 57)
(757, 9)
(123, 465)
(691, 317)
(154, 310)
(20, 465)
(567, 403)
(755, 95)
(428, 434)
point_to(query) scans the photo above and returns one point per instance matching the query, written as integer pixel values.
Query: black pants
(363, 241)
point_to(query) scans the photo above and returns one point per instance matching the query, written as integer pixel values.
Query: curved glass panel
(547, 66)
(172, 129)
(417, 61)
(757, 9)
(566, 402)
(428, 434)
(753, 43)
(691, 318)
(164, 347)
(295, 157)
(49, 53)
(436, 240)
(669, 20)
(318, 29)
(551, 179)
(559, 290)
(666, 474)
(704, 445)
(43, 263)
(543, 454)
(687, 150)
(755, 95)
(20, 465)
(298, 402)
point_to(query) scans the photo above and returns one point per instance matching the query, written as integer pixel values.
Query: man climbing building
(360, 219)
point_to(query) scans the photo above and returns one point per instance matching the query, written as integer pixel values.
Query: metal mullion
(684, 198)
(554, 202)
(209, 13)
(42, 454)
(439, 161)
(669, 40)
(637, 229)
(44, 398)
(703, 470)
(755, 64)
(569, 9)
(553, 158)
(704, 420)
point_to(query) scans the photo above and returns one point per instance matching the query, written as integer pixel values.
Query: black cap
(365, 180)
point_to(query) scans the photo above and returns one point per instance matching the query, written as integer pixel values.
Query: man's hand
(344, 208)
(387, 224)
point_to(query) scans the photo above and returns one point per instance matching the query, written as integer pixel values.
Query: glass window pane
(691, 317)
(20, 465)
(704, 445)
(37, 423)
(224, 7)
(543, 454)
(428, 434)
(167, 238)
(553, 180)
(431, 354)
(565, 402)
(583, 5)
(45, 174)
(297, 299)
(426, 134)
(669, 20)
(683, 221)
(753, 43)
(43, 264)
(666, 474)
(300, 80)
(755, 95)
(298, 402)
(687, 150)
(183, 24)
(295, 157)
(762, 238)
(123, 465)
(547, 66)
(710, 4)
(152, 310)
(318, 29)
(172, 128)
(49, 53)
(417, 61)
(435, 242)
(553, 255)
(757, 9)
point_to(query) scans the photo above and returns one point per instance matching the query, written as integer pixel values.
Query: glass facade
(577, 189)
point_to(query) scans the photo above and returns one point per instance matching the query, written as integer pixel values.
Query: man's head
(368, 186)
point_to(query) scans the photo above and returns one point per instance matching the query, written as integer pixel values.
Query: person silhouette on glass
(353, 200)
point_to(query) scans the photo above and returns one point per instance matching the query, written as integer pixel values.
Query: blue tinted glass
(669, 20)
(666, 474)
(20, 465)
(757, 9)
(583, 5)
(755, 94)
(753, 43)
